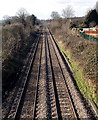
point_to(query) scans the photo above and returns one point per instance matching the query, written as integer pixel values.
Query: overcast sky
(43, 8)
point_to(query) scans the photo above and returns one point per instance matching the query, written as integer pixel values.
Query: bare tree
(68, 12)
(22, 14)
(55, 15)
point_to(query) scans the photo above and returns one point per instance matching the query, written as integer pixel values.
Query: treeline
(89, 20)
(23, 17)
(18, 34)
(68, 12)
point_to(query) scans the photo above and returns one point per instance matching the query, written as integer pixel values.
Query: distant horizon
(45, 19)
(42, 9)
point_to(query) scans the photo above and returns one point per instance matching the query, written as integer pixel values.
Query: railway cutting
(46, 90)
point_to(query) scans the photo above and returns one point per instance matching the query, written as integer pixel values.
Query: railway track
(44, 93)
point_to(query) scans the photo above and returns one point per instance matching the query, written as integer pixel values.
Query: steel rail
(37, 84)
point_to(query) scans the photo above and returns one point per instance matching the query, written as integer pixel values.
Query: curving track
(44, 92)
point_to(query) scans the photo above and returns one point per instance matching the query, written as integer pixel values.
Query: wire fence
(88, 37)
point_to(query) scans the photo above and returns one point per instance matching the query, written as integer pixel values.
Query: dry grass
(83, 53)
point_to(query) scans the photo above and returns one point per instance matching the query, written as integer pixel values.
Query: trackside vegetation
(18, 34)
(82, 56)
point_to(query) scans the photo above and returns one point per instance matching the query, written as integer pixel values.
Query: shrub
(15, 40)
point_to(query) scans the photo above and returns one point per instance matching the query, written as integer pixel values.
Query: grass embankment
(86, 88)
(82, 55)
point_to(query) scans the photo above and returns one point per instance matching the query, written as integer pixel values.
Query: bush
(15, 40)
(91, 18)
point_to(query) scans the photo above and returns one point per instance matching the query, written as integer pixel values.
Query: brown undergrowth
(16, 43)
(82, 55)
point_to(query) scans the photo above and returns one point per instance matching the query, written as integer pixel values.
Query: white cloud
(43, 8)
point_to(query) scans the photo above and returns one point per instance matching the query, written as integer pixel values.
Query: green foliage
(33, 19)
(86, 87)
(91, 16)
(7, 21)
